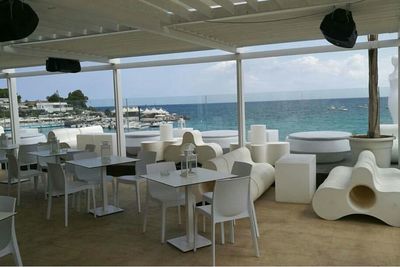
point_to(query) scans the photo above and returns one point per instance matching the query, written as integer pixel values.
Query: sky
(327, 74)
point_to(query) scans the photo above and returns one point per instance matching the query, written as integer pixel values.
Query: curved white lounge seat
(134, 139)
(30, 136)
(222, 137)
(364, 189)
(262, 174)
(204, 151)
(329, 146)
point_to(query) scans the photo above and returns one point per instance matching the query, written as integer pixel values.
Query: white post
(398, 103)
(240, 104)
(121, 144)
(13, 102)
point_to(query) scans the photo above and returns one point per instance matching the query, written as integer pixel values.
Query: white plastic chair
(26, 159)
(146, 157)
(59, 185)
(8, 240)
(240, 169)
(15, 172)
(231, 201)
(164, 195)
(42, 161)
(88, 175)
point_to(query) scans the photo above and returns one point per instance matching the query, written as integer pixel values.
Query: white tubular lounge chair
(363, 189)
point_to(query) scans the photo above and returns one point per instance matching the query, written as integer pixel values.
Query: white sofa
(97, 139)
(364, 189)
(69, 135)
(262, 174)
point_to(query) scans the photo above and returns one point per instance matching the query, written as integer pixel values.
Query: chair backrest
(156, 189)
(231, 197)
(56, 176)
(241, 169)
(82, 173)
(42, 161)
(24, 158)
(90, 147)
(13, 168)
(146, 157)
(7, 204)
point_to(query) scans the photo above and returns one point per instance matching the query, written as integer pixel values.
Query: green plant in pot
(380, 145)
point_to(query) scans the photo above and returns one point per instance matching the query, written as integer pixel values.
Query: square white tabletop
(200, 175)
(8, 147)
(4, 215)
(48, 153)
(101, 161)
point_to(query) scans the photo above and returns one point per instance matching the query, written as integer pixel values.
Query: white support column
(398, 103)
(240, 104)
(13, 101)
(121, 144)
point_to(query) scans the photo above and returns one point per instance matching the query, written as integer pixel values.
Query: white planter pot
(381, 147)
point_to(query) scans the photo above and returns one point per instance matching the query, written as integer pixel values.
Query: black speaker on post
(17, 20)
(62, 65)
(339, 28)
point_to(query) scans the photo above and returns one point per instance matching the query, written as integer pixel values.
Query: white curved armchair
(363, 189)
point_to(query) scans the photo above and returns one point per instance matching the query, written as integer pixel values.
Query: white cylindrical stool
(276, 150)
(258, 153)
(258, 134)
(166, 132)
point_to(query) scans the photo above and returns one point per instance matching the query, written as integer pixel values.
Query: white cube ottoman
(295, 178)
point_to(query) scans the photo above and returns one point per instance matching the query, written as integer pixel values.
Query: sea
(344, 114)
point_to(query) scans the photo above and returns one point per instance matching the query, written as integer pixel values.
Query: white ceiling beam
(227, 5)
(45, 53)
(202, 8)
(199, 39)
(253, 4)
(178, 10)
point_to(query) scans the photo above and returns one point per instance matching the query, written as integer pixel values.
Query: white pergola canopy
(99, 30)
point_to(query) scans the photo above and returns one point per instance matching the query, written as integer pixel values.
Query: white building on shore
(51, 107)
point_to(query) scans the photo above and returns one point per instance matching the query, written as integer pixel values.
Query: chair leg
(49, 202)
(163, 221)
(87, 200)
(16, 254)
(66, 209)
(255, 219)
(232, 232)
(146, 208)
(94, 201)
(213, 241)
(19, 192)
(137, 185)
(222, 233)
(254, 236)
(203, 203)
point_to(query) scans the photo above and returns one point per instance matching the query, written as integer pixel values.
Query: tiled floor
(291, 234)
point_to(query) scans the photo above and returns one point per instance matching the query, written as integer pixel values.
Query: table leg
(186, 243)
(106, 209)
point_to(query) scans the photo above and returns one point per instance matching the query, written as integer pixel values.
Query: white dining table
(56, 155)
(200, 175)
(103, 162)
(5, 214)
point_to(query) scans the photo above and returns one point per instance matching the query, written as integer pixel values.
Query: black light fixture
(63, 65)
(339, 28)
(17, 20)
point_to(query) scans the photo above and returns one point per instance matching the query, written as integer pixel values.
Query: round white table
(328, 146)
